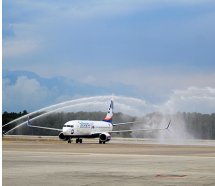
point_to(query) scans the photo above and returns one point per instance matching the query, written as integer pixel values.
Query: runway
(120, 162)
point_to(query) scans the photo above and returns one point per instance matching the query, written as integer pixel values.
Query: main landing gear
(100, 142)
(78, 140)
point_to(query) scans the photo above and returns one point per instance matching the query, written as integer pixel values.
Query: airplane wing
(116, 124)
(39, 127)
(133, 130)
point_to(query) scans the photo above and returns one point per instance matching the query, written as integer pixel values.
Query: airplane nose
(66, 131)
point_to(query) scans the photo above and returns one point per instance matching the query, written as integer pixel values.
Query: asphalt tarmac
(38, 162)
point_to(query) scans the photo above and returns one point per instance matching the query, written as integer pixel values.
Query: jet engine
(103, 137)
(62, 136)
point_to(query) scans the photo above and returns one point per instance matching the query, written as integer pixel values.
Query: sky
(158, 51)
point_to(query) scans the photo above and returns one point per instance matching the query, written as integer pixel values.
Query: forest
(200, 126)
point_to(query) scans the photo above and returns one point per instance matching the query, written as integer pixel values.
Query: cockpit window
(69, 126)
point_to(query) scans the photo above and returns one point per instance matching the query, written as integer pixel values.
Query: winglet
(28, 122)
(168, 125)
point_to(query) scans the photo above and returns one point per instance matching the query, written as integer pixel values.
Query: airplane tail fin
(109, 115)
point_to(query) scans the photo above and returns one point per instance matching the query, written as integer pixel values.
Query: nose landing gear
(69, 140)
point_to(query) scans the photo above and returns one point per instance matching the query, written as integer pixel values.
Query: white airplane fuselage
(85, 128)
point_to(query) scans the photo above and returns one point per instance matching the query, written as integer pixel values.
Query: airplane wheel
(100, 142)
(103, 142)
(77, 140)
(80, 140)
(69, 141)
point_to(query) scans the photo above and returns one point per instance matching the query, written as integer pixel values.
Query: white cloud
(89, 79)
(192, 99)
(15, 48)
(25, 93)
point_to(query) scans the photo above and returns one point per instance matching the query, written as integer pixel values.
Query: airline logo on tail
(109, 115)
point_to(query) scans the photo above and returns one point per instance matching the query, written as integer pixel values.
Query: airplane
(80, 129)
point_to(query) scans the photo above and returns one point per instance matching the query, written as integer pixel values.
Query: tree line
(10, 116)
(201, 126)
